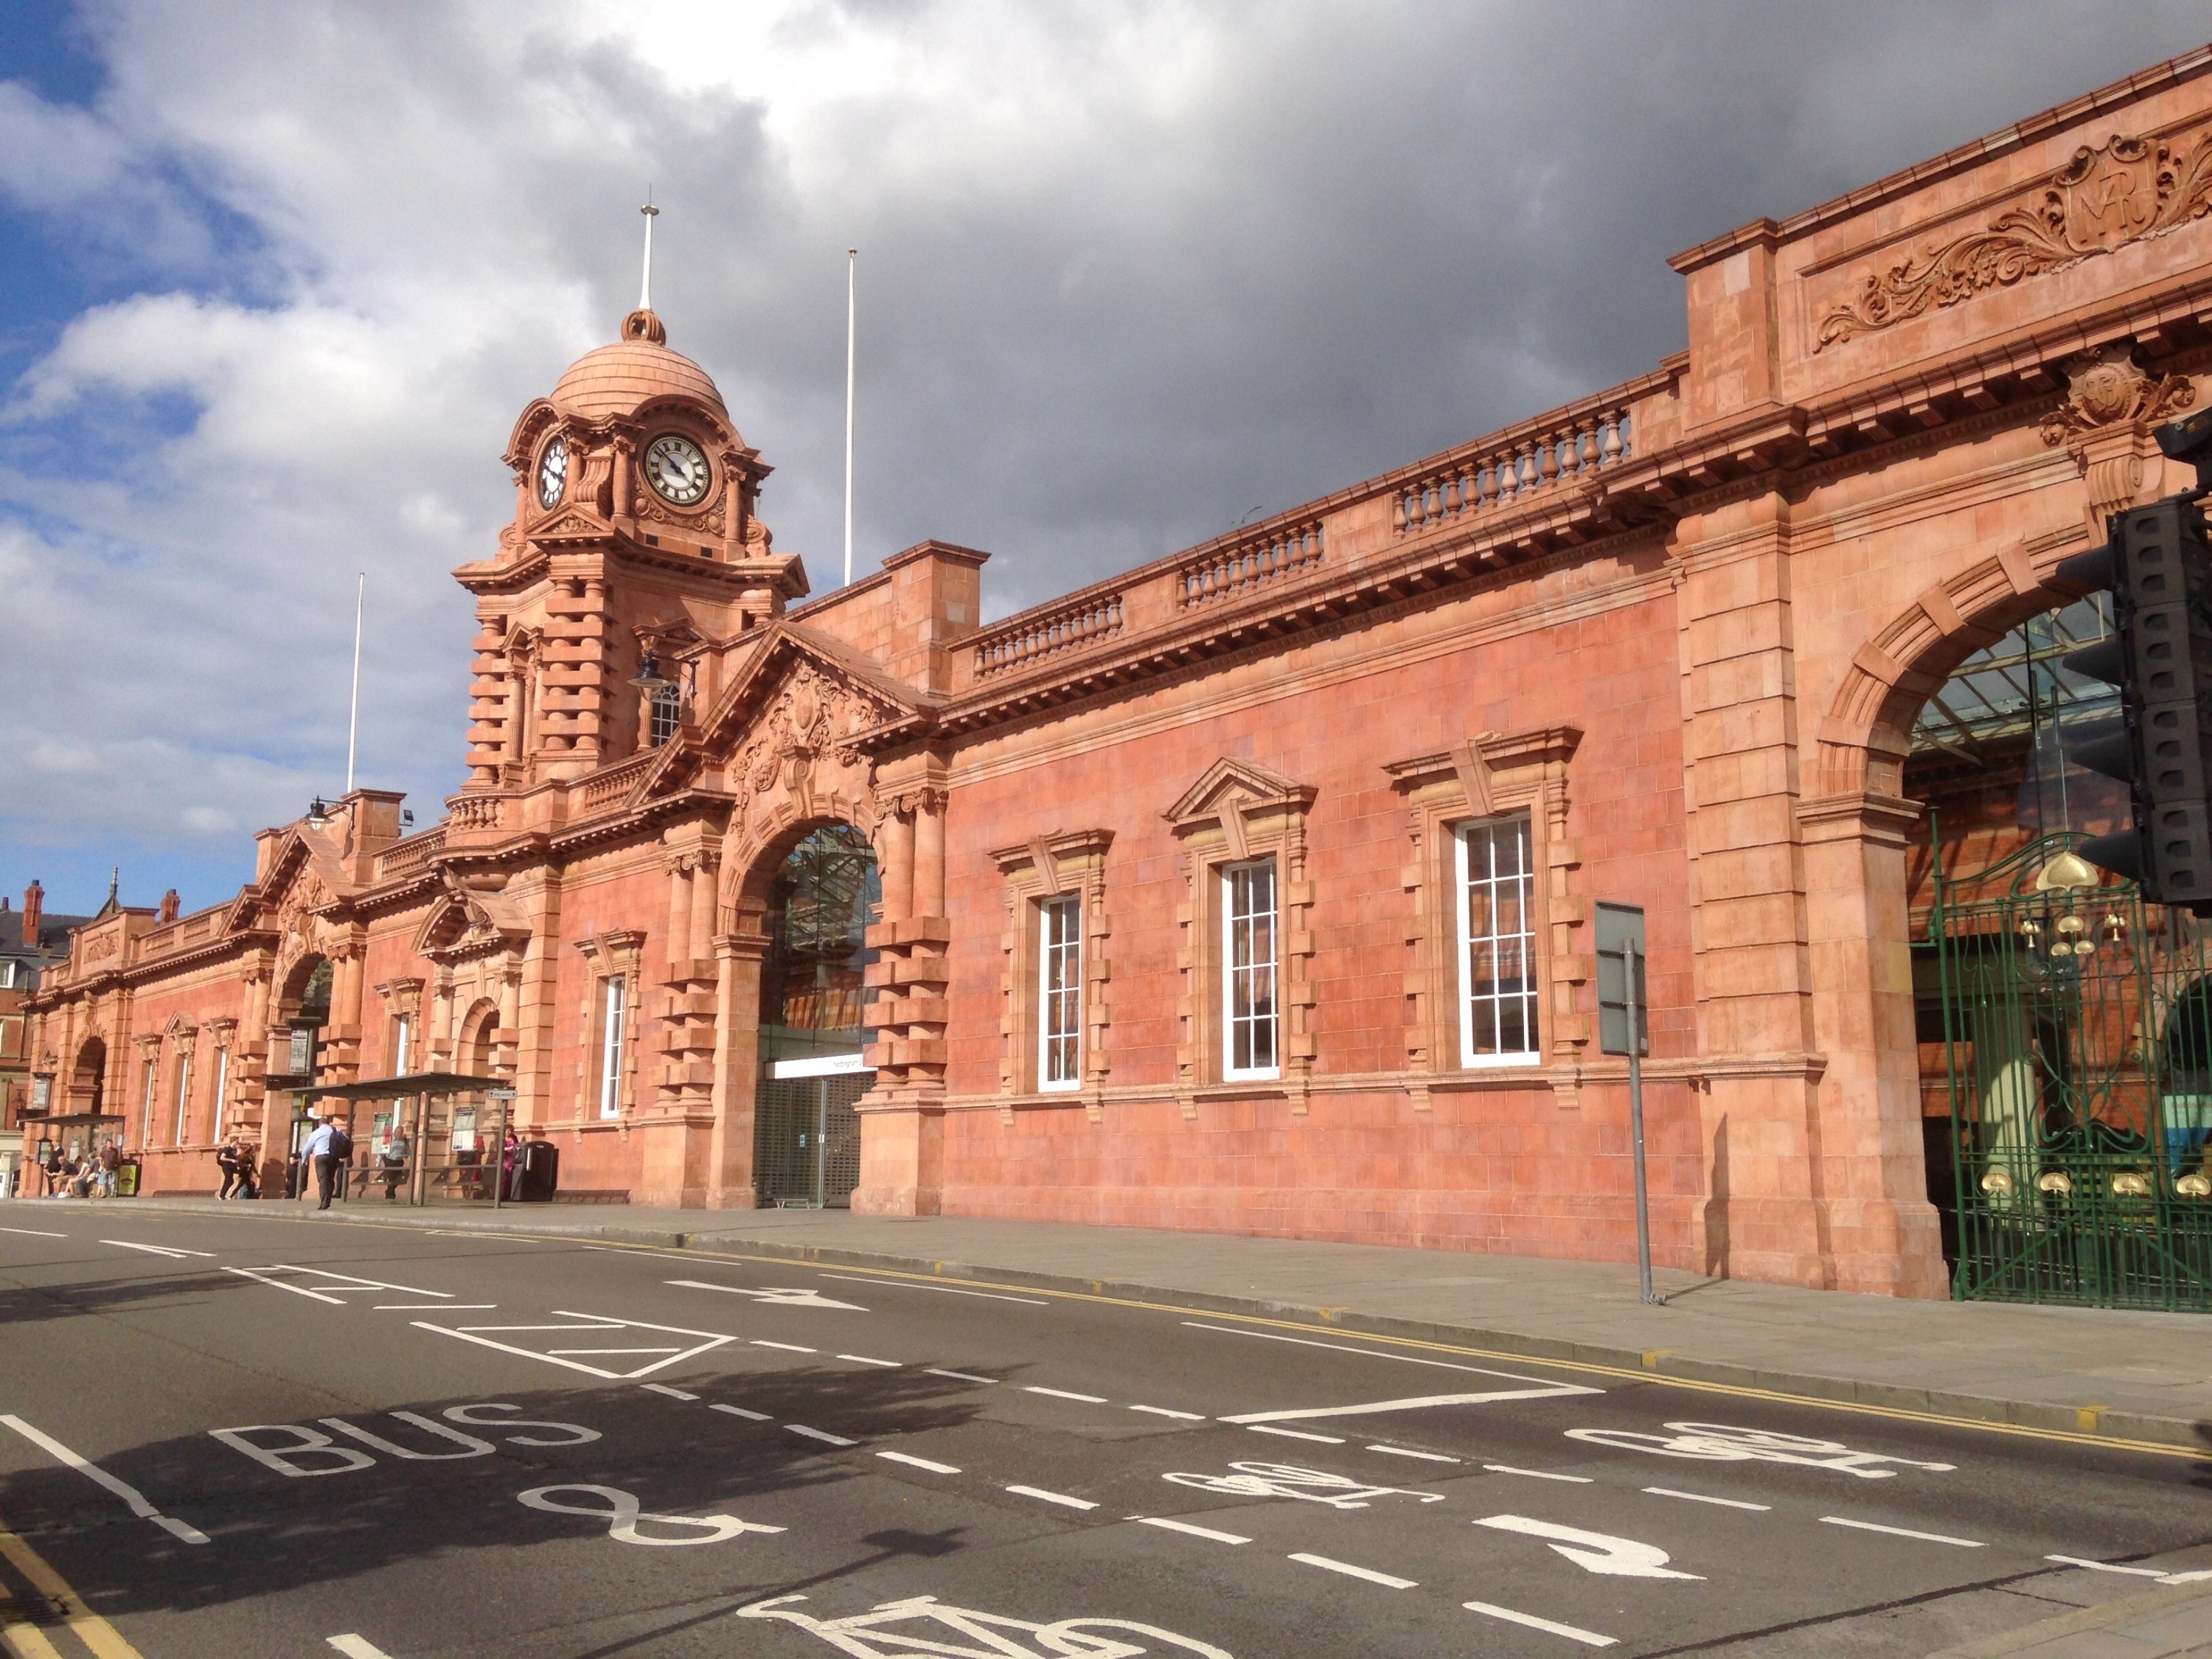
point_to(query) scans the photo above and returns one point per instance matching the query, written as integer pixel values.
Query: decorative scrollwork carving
(2108, 196)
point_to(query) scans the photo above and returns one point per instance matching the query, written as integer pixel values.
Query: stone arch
(87, 1083)
(477, 1050)
(756, 849)
(1868, 730)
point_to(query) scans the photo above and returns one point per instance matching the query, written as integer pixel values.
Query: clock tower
(635, 535)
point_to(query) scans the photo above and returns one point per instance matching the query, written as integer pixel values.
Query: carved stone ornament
(810, 716)
(2108, 196)
(2106, 389)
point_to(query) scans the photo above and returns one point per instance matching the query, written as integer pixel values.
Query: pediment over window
(466, 921)
(571, 524)
(1232, 792)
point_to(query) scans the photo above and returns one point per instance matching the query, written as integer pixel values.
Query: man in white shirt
(317, 1152)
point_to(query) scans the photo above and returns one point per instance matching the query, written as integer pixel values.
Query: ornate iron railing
(2077, 1028)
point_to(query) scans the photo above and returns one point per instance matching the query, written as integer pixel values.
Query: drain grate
(33, 1610)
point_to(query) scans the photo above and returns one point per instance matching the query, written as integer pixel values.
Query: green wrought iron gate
(2077, 1036)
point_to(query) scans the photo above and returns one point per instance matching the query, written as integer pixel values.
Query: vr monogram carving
(2108, 196)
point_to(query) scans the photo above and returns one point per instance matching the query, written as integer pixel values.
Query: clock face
(676, 469)
(552, 472)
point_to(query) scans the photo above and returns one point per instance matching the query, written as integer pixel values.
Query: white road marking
(863, 1359)
(435, 1307)
(1573, 1632)
(788, 1348)
(1295, 1434)
(1402, 1358)
(1702, 1498)
(1190, 1527)
(942, 1290)
(959, 1376)
(771, 1295)
(664, 1348)
(1722, 1443)
(1339, 1492)
(823, 1435)
(624, 1513)
(1350, 1571)
(279, 1284)
(672, 1393)
(707, 1342)
(1060, 1497)
(1417, 1402)
(740, 1411)
(100, 1477)
(1062, 1393)
(1904, 1532)
(1594, 1551)
(168, 1250)
(1180, 1417)
(2105, 1566)
(357, 1647)
(1406, 1451)
(33, 1232)
(919, 1463)
(335, 1287)
(1537, 1475)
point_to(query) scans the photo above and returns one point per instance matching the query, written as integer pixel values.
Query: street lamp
(318, 814)
(649, 678)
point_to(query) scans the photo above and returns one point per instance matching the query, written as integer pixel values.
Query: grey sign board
(1619, 927)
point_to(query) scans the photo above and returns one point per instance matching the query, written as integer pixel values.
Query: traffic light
(2157, 568)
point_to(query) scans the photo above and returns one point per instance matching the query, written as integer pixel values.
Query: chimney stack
(34, 906)
(170, 905)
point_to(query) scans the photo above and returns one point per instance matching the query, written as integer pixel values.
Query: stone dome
(614, 379)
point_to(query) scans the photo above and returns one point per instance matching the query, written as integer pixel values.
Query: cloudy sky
(275, 279)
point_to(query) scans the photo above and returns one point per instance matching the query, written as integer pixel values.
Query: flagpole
(353, 725)
(852, 316)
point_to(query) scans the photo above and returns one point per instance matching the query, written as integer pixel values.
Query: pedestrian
(226, 1159)
(110, 1160)
(327, 1151)
(508, 1154)
(393, 1159)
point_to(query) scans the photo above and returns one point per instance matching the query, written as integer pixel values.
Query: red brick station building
(1252, 891)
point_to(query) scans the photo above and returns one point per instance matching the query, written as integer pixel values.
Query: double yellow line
(27, 1638)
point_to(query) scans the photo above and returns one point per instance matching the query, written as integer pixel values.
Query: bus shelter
(453, 1153)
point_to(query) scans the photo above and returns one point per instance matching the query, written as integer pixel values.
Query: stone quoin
(1251, 891)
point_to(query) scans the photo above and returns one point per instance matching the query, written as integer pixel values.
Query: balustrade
(409, 856)
(476, 812)
(1228, 572)
(1507, 474)
(1029, 640)
(616, 781)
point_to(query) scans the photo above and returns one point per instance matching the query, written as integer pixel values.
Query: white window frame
(184, 1090)
(1060, 999)
(400, 1042)
(1530, 997)
(221, 1083)
(153, 1068)
(1231, 1019)
(614, 1008)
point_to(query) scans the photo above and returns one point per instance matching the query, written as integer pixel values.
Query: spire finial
(645, 289)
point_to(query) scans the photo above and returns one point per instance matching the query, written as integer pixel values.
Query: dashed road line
(33, 1232)
(357, 1647)
(433, 1307)
(823, 1435)
(169, 1250)
(1388, 1580)
(740, 1411)
(1573, 1632)
(788, 1348)
(1060, 1498)
(958, 1376)
(1706, 1498)
(1408, 1451)
(1904, 1532)
(2105, 1566)
(1295, 1434)
(1190, 1527)
(863, 1359)
(943, 1289)
(1063, 1394)
(100, 1477)
(1537, 1475)
(919, 1462)
(672, 1393)
(1180, 1417)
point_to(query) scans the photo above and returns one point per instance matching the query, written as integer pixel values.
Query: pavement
(2103, 1375)
(224, 1431)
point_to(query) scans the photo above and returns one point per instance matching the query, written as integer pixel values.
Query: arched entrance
(813, 1019)
(88, 1093)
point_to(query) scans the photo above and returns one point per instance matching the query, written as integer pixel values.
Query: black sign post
(1622, 1028)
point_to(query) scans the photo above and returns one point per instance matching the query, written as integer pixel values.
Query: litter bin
(126, 1178)
(539, 1173)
